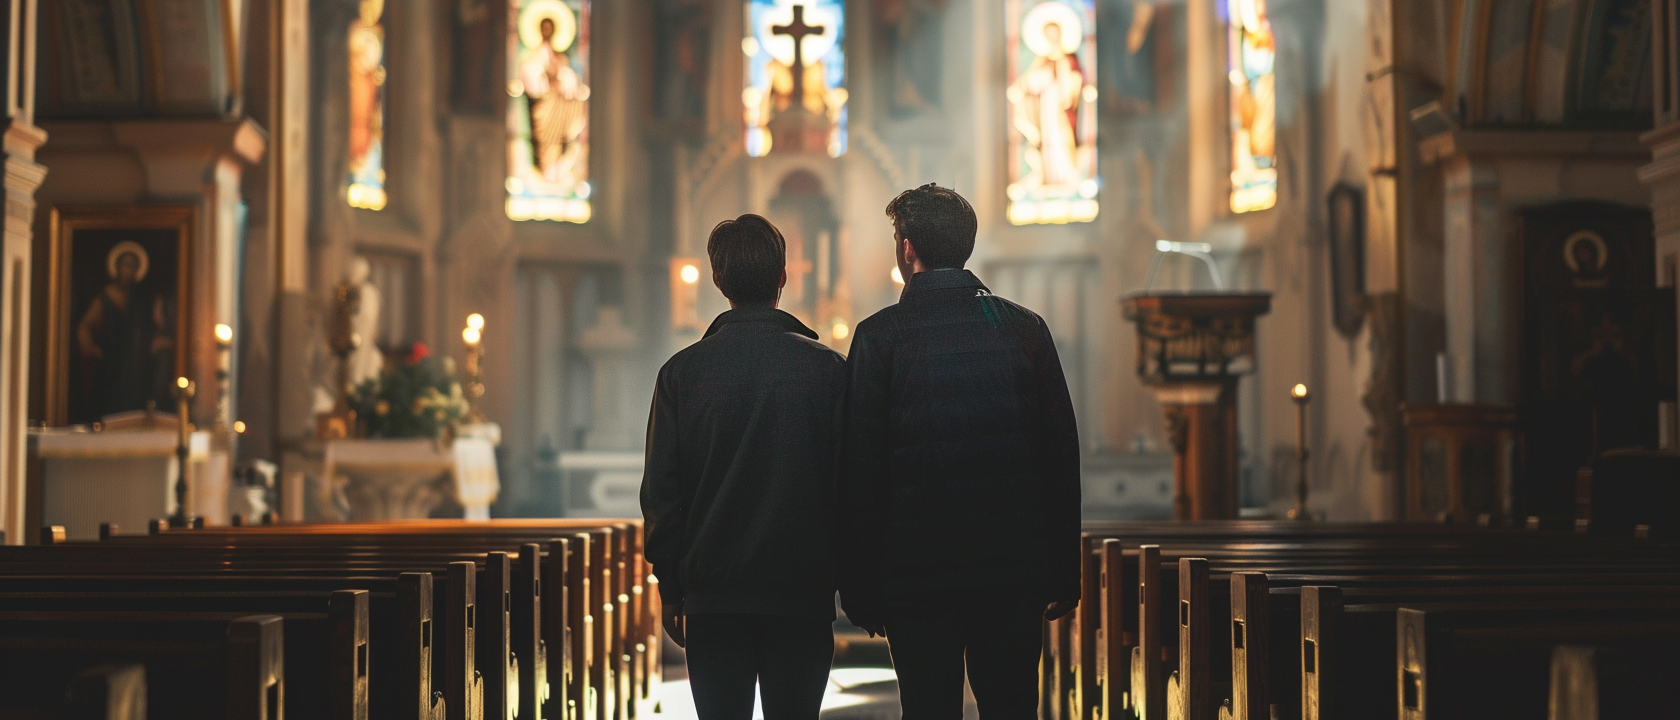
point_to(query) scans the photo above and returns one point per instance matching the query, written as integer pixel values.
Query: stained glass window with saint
(1252, 53)
(1052, 96)
(365, 182)
(548, 110)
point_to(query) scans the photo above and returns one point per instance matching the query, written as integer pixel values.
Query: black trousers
(786, 658)
(1001, 640)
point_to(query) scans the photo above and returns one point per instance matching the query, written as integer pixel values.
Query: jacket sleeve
(864, 491)
(665, 499)
(1058, 444)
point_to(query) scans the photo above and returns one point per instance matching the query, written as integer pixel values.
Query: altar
(365, 479)
(124, 477)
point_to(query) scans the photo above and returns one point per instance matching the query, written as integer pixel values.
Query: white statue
(365, 361)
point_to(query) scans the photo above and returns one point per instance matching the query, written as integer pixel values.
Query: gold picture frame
(119, 303)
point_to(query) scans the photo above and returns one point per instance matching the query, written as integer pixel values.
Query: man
(961, 482)
(742, 459)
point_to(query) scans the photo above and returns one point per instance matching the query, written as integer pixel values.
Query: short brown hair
(748, 256)
(938, 222)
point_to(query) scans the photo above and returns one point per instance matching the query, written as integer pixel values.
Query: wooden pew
(327, 653)
(601, 610)
(616, 577)
(1620, 680)
(1146, 695)
(400, 621)
(196, 666)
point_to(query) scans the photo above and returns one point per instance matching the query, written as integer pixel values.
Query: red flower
(417, 353)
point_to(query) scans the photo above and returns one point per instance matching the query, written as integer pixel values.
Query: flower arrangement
(418, 398)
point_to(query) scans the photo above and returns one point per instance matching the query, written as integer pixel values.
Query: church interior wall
(1441, 206)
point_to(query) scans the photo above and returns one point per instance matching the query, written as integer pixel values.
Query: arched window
(548, 111)
(1252, 55)
(1052, 95)
(365, 176)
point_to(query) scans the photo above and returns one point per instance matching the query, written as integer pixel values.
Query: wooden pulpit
(1192, 348)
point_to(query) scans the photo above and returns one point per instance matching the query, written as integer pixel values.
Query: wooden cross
(798, 30)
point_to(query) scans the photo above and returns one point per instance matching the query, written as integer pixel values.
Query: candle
(1301, 396)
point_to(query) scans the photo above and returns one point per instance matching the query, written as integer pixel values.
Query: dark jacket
(962, 456)
(742, 452)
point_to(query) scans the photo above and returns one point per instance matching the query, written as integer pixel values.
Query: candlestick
(1301, 397)
(224, 373)
(473, 335)
(184, 391)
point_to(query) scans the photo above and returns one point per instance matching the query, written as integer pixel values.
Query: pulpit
(1192, 348)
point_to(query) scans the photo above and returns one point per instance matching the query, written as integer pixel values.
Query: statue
(354, 322)
(359, 309)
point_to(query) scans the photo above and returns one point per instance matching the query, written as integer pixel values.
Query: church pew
(101, 692)
(407, 630)
(640, 621)
(327, 652)
(197, 666)
(1476, 662)
(636, 669)
(1206, 642)
(637, 661)
(1629, 679)
(1115, 681)
(1083, 656)
(399, 619)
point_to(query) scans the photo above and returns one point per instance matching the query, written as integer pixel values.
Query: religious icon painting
(365, 186)
(1052, 96)
(548, 110)
(118, 290)
(795, 94)
(1251, 54)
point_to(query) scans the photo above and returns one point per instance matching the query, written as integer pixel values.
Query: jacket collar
(782, 320)
(943, 279)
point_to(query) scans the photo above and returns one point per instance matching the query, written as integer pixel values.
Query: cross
(797, 268)
(798, 30)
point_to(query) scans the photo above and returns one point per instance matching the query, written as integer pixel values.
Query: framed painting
(119, 294)
(1346, 214)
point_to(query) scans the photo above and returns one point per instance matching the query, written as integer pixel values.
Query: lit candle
(1301, 397)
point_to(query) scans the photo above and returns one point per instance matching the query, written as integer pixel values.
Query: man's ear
(909, 252)
(782, 283)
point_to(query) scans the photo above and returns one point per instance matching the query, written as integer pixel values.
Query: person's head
(546, 29)
(749, 261)
(1053, 36)
(128, 269)
(933, 228)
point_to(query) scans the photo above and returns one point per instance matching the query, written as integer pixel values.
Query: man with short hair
(961, 482)
(742, 456)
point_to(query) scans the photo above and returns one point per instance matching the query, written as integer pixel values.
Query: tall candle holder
(185, 389)
(224, 376)
(1301, 397)
(473, 336)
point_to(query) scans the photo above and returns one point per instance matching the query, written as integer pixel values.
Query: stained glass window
(1052, 97)
(1252, 54)
(548, 110)
(366, 168)
(795, 94)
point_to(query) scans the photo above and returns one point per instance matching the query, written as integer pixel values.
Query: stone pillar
(1663, 174)
(23, 176)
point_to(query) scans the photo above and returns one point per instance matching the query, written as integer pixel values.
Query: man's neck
(752, 306)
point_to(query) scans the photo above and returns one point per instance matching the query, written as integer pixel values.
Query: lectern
(1192, 348)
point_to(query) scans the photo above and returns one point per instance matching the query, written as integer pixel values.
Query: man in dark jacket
(961, 481)
(739, 492)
